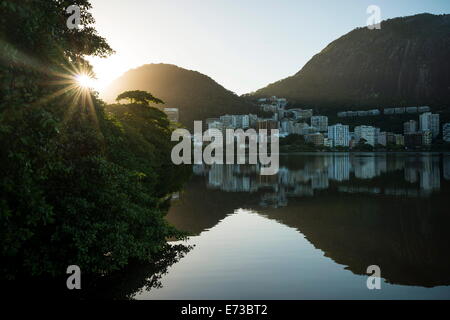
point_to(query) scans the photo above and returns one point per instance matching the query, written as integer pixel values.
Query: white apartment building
(340, 135)
(236, 121)
(241, 121)
(367, 133)
(430, 121)
(320, 123)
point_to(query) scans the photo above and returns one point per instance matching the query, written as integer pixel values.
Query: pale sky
(242, 44)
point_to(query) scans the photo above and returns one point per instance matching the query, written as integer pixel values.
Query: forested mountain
(195, 95)
(406, 62)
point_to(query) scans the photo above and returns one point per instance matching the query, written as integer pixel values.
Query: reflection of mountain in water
(200, 208)
(407, 238)
(389, 210)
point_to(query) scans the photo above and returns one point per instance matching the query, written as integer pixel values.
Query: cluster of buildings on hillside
(275, 106)
(317, 130)
(386, 111)
(415, 133)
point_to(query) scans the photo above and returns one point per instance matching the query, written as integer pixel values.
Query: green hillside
(406, 62)
(195, 95)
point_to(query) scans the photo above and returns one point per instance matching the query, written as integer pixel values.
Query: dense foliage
(297, 143)
(79, 185)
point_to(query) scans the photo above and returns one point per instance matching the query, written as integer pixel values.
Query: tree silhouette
(138, 96)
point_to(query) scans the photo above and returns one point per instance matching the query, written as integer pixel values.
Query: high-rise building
(425, 121)
(446, 132)
(410, 127)
(367, 133)
(430, 121)
(320, 123)
(435, 125)
(340, 135)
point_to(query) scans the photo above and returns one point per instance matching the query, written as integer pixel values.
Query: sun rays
(73, 85)
(85, 81)
(69, 82)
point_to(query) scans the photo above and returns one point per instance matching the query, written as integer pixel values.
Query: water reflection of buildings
(446, 167)
(350, 173)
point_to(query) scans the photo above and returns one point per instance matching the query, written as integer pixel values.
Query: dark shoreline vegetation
(83, 183)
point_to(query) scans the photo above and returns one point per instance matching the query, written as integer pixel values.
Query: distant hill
(196, 95)
(407, 62)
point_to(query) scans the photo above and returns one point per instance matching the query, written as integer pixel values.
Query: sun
(85, 81)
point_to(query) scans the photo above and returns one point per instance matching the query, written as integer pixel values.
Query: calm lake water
(311, 231)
